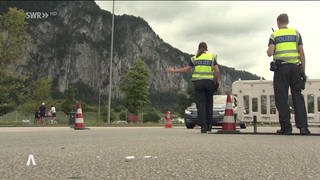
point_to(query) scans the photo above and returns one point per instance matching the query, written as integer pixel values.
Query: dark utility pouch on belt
(274, 65)
(302, 79)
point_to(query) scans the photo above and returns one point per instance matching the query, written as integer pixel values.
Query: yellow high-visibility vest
(286, 45)
(203, 66)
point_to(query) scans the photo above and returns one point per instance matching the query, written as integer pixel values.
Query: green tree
(135, 87)
(13, 41)
(185, 100)
(13, 37)
(33, 95)
(69, 104)
(183, 103)
(9, 92)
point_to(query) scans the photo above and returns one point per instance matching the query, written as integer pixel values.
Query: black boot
(286, 128)
(304, 131)
(284, 131)
(203, 131)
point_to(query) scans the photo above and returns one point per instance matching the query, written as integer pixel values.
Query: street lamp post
(99, 101)
(111, 57)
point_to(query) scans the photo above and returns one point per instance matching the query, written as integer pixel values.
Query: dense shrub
(122, 116)
(151, 117)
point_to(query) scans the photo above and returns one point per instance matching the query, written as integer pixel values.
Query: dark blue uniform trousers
(204, 90)
(288, 75)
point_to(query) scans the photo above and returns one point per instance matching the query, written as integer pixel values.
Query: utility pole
(99, 101)
(111, 57)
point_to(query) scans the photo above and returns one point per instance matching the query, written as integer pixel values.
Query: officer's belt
(284, 62)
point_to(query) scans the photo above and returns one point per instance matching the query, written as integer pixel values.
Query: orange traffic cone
(168, 120)
(79, 123)
(229, 124)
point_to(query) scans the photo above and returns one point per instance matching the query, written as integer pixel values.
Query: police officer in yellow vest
(205, 77)
(285, 45)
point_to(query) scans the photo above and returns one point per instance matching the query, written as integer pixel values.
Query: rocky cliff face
(70, 44)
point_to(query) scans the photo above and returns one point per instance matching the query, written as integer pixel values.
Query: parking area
(158, 153)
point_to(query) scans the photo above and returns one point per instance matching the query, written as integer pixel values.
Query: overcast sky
(237, 31)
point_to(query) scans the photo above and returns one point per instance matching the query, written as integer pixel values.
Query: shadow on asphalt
(238, 131)
(265, 133)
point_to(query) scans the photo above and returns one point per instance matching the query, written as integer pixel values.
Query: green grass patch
(18, 119)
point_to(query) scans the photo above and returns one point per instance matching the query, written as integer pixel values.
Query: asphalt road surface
(152, 153)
